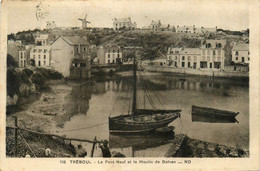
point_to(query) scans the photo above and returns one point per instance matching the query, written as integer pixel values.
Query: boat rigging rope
(115, 103)
(181, 125)
(129, 104)
(147, 92)
(84, 127)
(26, 143)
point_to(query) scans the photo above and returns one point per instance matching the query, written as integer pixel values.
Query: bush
(12, 82)
(28, 71)
(37, 79)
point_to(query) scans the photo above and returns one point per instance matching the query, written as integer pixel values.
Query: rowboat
(213, 113)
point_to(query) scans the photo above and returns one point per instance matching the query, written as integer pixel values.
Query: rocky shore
(196, 148)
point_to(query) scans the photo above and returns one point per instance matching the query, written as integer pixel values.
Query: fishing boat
(214, 113)
(141, 120)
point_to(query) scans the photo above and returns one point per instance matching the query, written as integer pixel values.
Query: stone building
(173, 56)
(120, 23)
(212, 54)
(240, 53)
(109, 54)
(185, 29)
(155, 24)
(209, 56)
(41, 52)
(24, 55)
(189, 58)
(41, 55)
(70, 51)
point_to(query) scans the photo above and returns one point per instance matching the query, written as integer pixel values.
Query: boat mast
(134, 86)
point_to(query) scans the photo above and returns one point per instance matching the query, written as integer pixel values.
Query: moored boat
(141, 120)
(215, 113)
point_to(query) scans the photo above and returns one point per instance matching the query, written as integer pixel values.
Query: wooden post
(15, 135)
(93, 146)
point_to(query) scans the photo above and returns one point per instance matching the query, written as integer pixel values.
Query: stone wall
(189, 71)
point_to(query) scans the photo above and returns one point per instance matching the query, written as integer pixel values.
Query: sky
(233, 15)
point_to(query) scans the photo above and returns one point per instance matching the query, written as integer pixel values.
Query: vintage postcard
(130, 85)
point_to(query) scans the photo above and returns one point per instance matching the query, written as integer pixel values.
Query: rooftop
(75, 40)
(190, 51)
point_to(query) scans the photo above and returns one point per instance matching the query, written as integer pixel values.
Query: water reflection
(89, 105)
(140, 142)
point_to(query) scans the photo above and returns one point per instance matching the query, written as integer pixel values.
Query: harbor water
(88, 107)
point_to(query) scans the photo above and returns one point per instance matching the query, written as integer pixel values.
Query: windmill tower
(84, 21)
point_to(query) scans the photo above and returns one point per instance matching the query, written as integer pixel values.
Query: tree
(11, 62)
(11, 36)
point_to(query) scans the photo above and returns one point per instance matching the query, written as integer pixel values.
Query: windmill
(84, 21)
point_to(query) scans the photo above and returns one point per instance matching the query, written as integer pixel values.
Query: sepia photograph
(128, 79)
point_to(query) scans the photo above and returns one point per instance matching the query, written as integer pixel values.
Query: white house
(67, 48)
(189, 58)
(212, 54)
(41, 55)
(109, 54)
(119, 23)
(240, 53)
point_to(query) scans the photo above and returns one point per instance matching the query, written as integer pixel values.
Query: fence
(16, 128)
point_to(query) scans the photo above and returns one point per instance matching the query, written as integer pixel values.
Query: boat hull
(117, 125)
(214, 113)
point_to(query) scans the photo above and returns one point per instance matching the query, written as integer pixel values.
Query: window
(39, 50)
(248, 53)
(84, 49)
(195, 65)
(34, 50)
(243, 59)
(171, 52)
(108, 61)
(248, 59)
(236, 58)
(183, 64)
(39, 63)
(188, 64)
(183, 57)
(118, 51)
(44, 56)
(118, 55)
(77, 49)
(44, 62)
(236, 52)
(113, 50)
(210, 65)
(176, 57)
(177, 52)
(214, 52)
(189, 58)
(108, 55)
(45, 50)
(39, 56)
